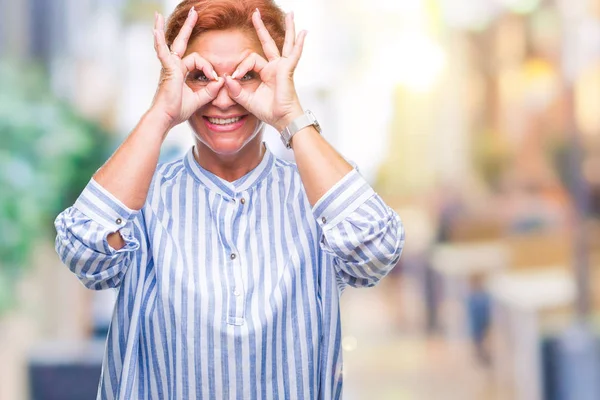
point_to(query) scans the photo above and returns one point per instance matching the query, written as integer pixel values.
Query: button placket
(230, 258)
(236, 310)
(235, 282)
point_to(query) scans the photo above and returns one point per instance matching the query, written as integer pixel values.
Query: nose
(223, 101)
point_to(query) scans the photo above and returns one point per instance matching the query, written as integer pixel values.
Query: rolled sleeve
(104, 208)
(364, 236)
(82, 232)
(342, 200)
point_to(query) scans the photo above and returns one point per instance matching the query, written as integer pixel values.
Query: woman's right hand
(174, 99)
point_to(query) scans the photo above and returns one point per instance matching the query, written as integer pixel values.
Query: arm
(359, 230)
(319, 164)
(128, 173)
(275, 101)
(100, 236)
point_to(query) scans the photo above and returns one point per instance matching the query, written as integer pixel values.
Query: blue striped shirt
(228, 290)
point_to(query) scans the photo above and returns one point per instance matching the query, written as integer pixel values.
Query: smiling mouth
(223, 121)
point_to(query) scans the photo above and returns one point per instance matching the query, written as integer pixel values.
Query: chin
(225, 147)
(231, 144)
(227, 143)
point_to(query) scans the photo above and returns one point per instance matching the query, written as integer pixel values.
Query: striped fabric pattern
(228, 290)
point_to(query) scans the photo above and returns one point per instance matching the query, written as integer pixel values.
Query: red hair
(227, 14)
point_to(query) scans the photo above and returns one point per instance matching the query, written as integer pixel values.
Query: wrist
(159, 121)
(285, 121)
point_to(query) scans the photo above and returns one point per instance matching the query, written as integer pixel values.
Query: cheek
(195, 86)
(196, 122)
(251, 85)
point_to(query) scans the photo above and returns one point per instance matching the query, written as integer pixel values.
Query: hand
(174, 99)
(275, 100)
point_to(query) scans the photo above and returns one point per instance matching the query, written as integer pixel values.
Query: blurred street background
(477, 120)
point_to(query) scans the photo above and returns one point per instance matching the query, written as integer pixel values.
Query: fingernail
(191, 11)
(258, 11)
(215, 75)
(234, 75)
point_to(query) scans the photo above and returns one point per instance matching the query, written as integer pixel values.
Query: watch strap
(298, 124)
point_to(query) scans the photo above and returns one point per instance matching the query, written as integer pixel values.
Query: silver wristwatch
(299, 123)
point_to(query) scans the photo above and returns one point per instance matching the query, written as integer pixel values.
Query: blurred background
(477, 120)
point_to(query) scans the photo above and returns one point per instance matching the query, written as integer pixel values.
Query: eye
(198, 76)
(248, 77)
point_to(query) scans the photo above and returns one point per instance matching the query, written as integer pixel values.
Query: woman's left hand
(275, 100)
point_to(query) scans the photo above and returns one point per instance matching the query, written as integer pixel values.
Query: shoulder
(285, 170)
(282, 164)
(169, 170)
(167, 174)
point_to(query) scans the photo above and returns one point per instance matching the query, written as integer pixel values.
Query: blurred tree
(47, 154)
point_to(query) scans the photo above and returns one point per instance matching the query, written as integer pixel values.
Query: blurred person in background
(229, 263)
(528, 204)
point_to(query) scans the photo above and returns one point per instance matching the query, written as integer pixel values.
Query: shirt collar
(214, 183)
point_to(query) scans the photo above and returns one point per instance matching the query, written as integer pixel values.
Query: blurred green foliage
(47, 155)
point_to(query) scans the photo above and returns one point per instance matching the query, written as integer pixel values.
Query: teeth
(223, 121)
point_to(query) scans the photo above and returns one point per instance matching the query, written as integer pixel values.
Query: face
(223, 126)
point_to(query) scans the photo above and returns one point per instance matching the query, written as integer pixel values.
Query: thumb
(208, 93)
(238, 93)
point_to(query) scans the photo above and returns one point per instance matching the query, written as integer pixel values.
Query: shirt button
(324, 220)
(236, 292)
(243, 200)
(232, 256)
(118, 221)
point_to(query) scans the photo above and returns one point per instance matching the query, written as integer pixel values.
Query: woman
(229, 262)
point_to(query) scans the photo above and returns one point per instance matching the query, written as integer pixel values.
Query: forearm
(319, 164)
(128, 173)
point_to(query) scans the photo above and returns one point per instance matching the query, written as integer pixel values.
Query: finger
(238, 93)
(290, 34)
(298, 47)
(193, 62)
(160, 46)
(209, 93)
(267, 42)
(253, 62)
(158, 21)
(162, 51)
(181, 41)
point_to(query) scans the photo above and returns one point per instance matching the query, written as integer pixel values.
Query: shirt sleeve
(364, 235)
(82, 231)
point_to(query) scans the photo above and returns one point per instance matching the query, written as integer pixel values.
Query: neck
(230, 167)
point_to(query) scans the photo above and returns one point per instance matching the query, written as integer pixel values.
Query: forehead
(225, 49)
